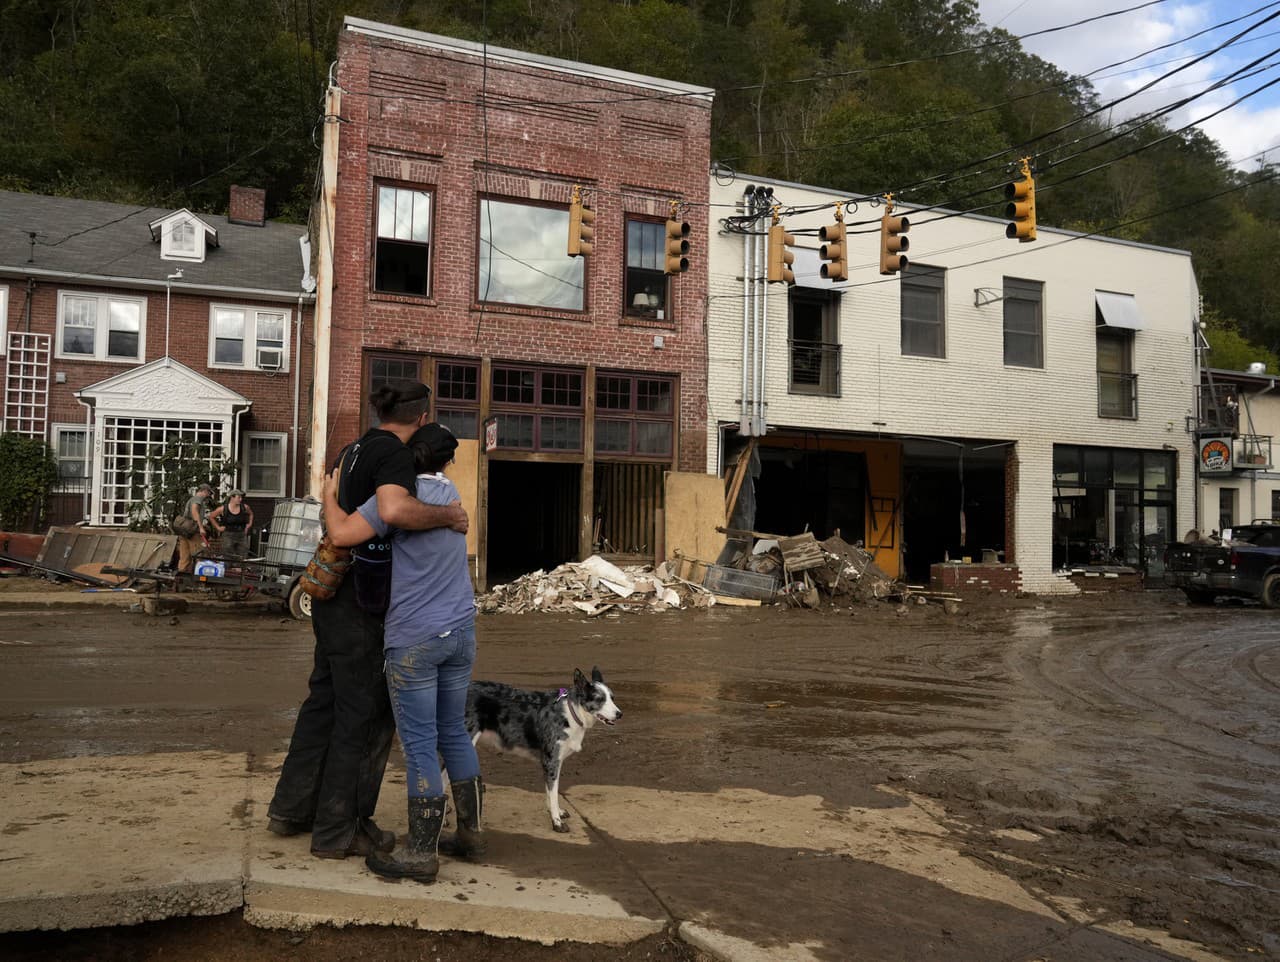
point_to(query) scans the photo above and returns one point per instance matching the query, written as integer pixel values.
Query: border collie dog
(547, 726)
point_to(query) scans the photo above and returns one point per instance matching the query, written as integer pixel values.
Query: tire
(1270, 597)
(1199, 596)
(299, 602)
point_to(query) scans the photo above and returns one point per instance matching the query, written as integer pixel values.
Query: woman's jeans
(428, 687)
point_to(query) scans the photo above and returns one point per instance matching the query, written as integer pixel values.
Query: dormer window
(183, 236)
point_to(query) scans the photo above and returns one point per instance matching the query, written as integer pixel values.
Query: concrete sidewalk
(115, 840)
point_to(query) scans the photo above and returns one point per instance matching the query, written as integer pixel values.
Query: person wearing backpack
(332, 775)
(190, 526)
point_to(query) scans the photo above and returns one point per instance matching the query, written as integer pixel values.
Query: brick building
(455, 165)
(1024, 403)
(124, 327)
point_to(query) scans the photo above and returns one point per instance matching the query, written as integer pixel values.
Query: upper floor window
(814, 341)
(1117, 384)
(402, 248)
(635, 416)
(1023, 323)
(646, 288)
(923, 324)
(523, 257)
(101, 327)
(250, 338)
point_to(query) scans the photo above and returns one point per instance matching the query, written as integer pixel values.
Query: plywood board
(695, 506)
(465, 475)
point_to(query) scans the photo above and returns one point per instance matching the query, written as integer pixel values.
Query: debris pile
(848, 574)
(595, 586)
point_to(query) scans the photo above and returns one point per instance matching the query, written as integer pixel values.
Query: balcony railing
(1117, 395)
(815, 367)
(1252, 452)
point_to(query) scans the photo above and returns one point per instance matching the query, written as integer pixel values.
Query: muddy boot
(418, 859)
(468, 800)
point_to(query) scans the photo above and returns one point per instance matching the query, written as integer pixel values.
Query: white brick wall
(971, 393)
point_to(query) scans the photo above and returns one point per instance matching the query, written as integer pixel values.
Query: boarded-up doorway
(533, 517)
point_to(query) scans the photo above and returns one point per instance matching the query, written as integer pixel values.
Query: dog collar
(564, 694)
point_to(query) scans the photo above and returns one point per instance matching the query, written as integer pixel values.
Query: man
(197, 508)
(332, 775)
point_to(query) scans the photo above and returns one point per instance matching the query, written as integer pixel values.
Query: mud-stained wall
(694, 506)
(465, 474)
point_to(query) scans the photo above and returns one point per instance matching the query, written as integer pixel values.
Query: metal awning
(1119, 310)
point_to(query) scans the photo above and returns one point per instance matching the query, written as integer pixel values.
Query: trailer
(230, 579)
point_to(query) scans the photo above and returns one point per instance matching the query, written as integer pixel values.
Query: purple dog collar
(564, 694)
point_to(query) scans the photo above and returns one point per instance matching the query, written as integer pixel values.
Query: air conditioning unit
(270, 358)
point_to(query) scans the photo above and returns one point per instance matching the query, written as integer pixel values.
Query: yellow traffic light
(835, 251)
(892, 240)
(1021, 209)
(780, 258)
(677, 246)
(581, 225)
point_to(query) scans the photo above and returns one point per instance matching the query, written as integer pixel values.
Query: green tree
(28, 472)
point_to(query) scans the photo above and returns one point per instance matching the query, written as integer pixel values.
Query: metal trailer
(231, 579)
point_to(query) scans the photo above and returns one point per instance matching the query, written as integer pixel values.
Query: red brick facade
(271, 394)
(411, 118)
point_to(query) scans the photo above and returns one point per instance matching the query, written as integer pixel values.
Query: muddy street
(1116, 753)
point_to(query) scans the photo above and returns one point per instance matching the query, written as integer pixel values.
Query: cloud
(1241, 131)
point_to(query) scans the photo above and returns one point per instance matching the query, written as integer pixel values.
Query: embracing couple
(405, 608)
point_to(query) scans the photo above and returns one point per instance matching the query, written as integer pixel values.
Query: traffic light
(677, 246)
(893, 240)
(780, 258)
(1021, 209)
(581, 231)
(835, 251)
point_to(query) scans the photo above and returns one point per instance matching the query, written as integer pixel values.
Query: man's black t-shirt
(378, 458)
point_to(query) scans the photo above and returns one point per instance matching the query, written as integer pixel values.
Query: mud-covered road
(1122, 751)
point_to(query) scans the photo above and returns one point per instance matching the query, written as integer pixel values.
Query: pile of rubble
(834, 572)
(595, 586)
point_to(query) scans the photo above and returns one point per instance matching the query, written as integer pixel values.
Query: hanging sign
(1215, 455)
(490, 434)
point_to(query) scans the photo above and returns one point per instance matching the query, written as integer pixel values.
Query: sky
(1242, 131)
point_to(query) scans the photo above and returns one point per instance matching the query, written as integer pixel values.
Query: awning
(1119, 310)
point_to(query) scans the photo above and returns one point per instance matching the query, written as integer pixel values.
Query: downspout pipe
(763, 346)
(748, 242)
(297, 381)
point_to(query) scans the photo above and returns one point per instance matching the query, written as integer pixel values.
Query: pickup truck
(1247, 565)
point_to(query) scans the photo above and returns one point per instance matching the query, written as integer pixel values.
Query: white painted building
(1026, 403)
(1239, 420)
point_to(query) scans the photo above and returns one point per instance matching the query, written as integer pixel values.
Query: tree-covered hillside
(152, 101)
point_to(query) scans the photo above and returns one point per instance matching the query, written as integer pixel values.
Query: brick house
(122, 327)
(1024, 403)
(454, 167)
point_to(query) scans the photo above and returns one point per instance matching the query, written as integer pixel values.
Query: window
(402, 251)
(1117, 384)
(922, 312)
(1275, 505)
(538, 409)
(73, 450)
(182, 236)
(245, 337)
(458, 398)
(528, 264)
(647, 288)
(1023, 327)
(264, 464)
(101, 327)
(814, 341)
(129, 467)
(635, 416)
(1226, 498)
(4, 319)
(382, 369)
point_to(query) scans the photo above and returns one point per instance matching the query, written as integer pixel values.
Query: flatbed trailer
(230, 579)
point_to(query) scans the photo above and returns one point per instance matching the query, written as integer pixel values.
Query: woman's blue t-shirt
(431, 590)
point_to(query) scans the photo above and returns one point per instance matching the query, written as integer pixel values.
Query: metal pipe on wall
(748, 239)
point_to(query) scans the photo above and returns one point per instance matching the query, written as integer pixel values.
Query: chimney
(248, 206)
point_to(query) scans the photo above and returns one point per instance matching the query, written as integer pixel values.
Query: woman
(233, 521)
(430, 646)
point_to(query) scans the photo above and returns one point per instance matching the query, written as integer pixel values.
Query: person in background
(197, 508)
(331, 778)
(233, 519)
(430, 648)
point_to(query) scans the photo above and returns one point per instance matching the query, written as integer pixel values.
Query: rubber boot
(468, 801)
(417, 860)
